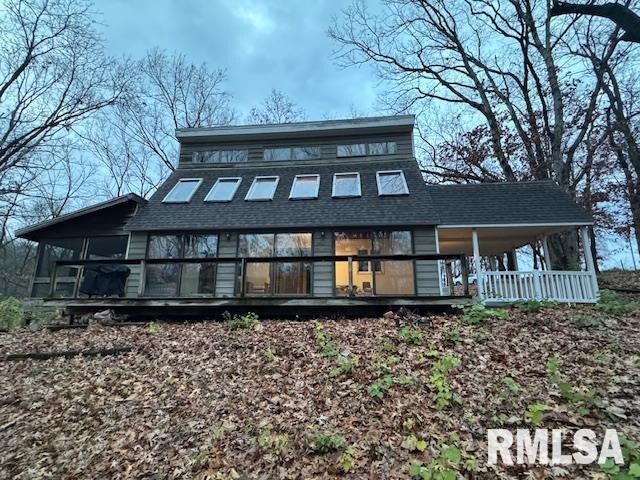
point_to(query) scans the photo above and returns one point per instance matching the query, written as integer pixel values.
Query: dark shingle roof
(325, 211)
(541, 202)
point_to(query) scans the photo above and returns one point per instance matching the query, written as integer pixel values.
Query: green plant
(412, 443)
(328, 346)
(345, 365)
(346, 460)
(236, 322)
(612, 304)
(438, 379)
(11, 313)
(482, 336)
(534, 413)
(511, 384)
(586, 321)
(269, 355)
(534, 306)
(478, 313)
(444, 467)
(378, 388)
(153, 327)
(452, 335)
(326, 442)
(274, 444)
(631, 455)
(410, 335)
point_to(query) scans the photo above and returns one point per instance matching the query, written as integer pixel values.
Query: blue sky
(266, 44)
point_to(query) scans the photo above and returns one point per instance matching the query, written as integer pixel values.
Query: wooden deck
(287, 305)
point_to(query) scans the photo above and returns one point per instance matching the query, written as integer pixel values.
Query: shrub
(274, 445)
(612, 304)
(586, 321)
(326, 442)
(444, 467)
(11, 313)
(235, 322)
(533, 306)
(439, 372)
(410, 335)
(534, 413)
(345, 365)
(478, 313)
(328, 346)
(153, 327)
(346, 460)
(381, 386)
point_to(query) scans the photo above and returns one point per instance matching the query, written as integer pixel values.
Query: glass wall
(378, 277)
(283, 278)
(181, 279)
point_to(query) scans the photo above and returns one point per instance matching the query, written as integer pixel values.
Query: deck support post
(476, 261)
(449, 273)
(143, 274)
(588, 258)
(350, 275)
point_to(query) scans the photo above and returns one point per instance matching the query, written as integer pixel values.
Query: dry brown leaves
(191, 400)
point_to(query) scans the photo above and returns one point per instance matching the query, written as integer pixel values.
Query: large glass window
(352, 150)
(377, 277)
(262, 188)
(346, 185)
(109, 247)
(173, 279)
(221, 156)
(58, 250)
(384, 148)
(305, 186)
(392, 182)
(263, 278)
(223, 190)
(183, 191)
(362, 149)
(291, 153)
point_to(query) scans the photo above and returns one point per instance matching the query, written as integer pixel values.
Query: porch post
(588, 257)
(476, 261)
(546, 253)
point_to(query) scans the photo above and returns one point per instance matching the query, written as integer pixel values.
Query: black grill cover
(104, 280)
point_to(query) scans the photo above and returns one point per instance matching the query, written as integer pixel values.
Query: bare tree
(172, 93)
(276, 108)
(52, 74)
(504, 68)
(620, 14)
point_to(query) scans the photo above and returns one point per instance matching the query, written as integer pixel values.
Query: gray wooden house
(330, 213)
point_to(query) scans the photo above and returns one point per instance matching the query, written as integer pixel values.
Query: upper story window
(346, 185)
(183, 191)
(221, 156)
(223, 190)
(262, 188)
(291, 153)
(305, 186)
(363, 149)
(392, 182)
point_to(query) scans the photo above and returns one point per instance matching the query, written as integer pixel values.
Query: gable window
(362, 149)
(392, 182)
(221, 156)
(305, 186)
(262, 188)
(346, 185)
(183, 191)
(291, 153)
(223, 190)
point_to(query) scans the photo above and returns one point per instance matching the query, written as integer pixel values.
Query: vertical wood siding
(137, 249)
(226, 274)
(323, 281)
(427, 279)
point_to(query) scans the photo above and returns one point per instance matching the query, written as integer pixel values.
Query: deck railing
(559, 286)
(242, 263)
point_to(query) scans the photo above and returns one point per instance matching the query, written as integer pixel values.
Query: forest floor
(361, 398)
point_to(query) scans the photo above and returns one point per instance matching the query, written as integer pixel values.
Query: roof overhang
(31, 232)
(358, 126)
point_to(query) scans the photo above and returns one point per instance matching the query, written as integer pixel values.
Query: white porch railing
(559, 286)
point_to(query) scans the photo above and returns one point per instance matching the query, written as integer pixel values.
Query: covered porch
(503, 273)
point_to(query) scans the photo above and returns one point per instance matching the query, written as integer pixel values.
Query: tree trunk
(594, 249)
(564, 251)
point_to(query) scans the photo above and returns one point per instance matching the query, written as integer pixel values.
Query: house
(311, 214)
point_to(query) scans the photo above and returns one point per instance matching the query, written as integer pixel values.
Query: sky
(263, 44)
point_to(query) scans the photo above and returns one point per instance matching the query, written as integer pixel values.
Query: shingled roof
(506, 203)
(368, 210)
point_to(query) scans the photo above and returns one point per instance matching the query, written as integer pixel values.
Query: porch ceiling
(492, 240)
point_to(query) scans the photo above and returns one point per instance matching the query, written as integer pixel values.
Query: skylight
(262, 188)
(305, 186)
(346, 185)
(223, 190)
(392, 182)
(183, 191)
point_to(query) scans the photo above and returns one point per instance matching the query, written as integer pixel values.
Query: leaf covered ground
(358, 398)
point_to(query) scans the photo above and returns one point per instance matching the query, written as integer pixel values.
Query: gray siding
(427, 277)
(327, 148)
(137, 249)
(226, 274)
(323, 279)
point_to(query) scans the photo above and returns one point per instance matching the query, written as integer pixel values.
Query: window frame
(309, 197)
(333, 187)
(196, 188)
(233, 194)
(253, 186)
(404, 181)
